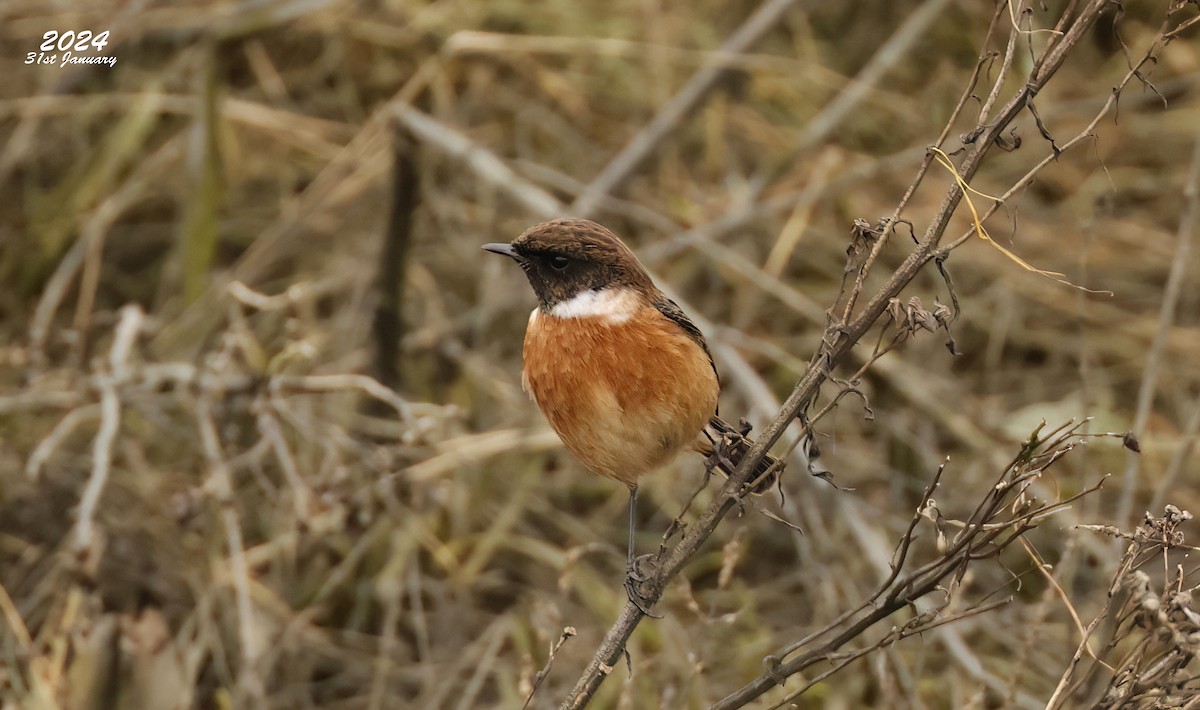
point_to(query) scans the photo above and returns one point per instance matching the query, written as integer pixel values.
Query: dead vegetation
(262, 440)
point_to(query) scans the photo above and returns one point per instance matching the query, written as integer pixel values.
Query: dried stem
(1166, 318)
(837, 343)
(668, 119)
(1002, 516)
(221, 483)
(110, 421)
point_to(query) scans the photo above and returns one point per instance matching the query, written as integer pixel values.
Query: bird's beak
(501, 248)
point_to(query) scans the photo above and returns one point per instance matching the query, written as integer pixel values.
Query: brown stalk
(838, 340)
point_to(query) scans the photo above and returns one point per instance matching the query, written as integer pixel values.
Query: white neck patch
(613, 305)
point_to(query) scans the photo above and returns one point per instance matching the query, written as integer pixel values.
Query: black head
(565, 257)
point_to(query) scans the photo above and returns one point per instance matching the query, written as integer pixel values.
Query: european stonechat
(621, 372)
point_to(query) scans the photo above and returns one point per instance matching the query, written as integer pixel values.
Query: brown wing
(671, 310)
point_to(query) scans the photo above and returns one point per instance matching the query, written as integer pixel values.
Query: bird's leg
(632, 527)
(638, 570)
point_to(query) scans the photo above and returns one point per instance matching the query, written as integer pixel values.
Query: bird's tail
(725, 446)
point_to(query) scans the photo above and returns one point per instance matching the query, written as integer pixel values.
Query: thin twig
(887, 227)
(482, 161)
(1005, 66)
(110, 421)
(683, 104)
(889, 54)
(1053, 156)
(221, 482)
(52, 441)
(301, 494)
(333, 383)
(1180, 264)
(1044, 570)
(567, 633)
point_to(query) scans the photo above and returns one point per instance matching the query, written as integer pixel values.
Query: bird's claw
(719, 458)
(637, 578)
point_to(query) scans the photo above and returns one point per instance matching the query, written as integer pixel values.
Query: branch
(1000, 519)
(839, 338)
(1156, 632)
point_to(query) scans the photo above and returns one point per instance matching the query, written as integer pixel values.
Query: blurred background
(205, 502)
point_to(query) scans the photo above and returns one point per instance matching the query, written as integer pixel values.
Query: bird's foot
(638, 576)
(720, 459)
(728, 450)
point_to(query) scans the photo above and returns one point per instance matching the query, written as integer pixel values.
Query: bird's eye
(559, 262)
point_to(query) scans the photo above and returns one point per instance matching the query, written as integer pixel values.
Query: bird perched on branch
(621, 372)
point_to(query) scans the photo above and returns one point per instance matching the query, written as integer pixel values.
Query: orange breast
(626, 396)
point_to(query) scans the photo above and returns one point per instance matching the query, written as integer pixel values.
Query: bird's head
(565, 259)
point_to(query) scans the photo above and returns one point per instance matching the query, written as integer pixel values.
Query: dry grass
(208, 499)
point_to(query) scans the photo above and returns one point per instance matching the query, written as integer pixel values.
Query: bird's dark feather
(671, 310)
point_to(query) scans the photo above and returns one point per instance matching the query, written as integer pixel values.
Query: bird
(623, 375)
